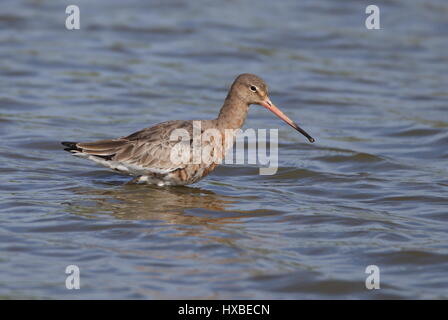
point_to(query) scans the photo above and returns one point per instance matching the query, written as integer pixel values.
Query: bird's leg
(136, 180)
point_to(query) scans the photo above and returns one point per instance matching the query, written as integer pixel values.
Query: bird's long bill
(270, 106)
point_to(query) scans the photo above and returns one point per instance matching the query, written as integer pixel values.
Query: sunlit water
(371, 191)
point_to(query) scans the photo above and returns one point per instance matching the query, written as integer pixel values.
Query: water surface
(371, 190)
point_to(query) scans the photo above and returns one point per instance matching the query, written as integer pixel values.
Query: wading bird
(147, 154)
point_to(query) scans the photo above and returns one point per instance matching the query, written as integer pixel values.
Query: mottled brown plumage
(147, 154)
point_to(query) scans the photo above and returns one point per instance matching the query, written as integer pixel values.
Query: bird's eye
(253, 88)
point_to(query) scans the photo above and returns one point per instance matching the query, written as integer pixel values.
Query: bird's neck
(233, 113)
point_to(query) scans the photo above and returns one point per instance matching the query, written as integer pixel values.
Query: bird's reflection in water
(181, 227)
(176, 205)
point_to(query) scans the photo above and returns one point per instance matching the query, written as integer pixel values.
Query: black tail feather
(71, 146)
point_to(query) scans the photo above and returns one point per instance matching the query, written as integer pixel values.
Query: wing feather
(147, 150)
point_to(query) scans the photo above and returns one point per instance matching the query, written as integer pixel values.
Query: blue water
(372, 190)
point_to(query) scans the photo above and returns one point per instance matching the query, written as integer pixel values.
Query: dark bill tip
(310, 138)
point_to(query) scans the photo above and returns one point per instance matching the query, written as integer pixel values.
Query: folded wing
(144, 152)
